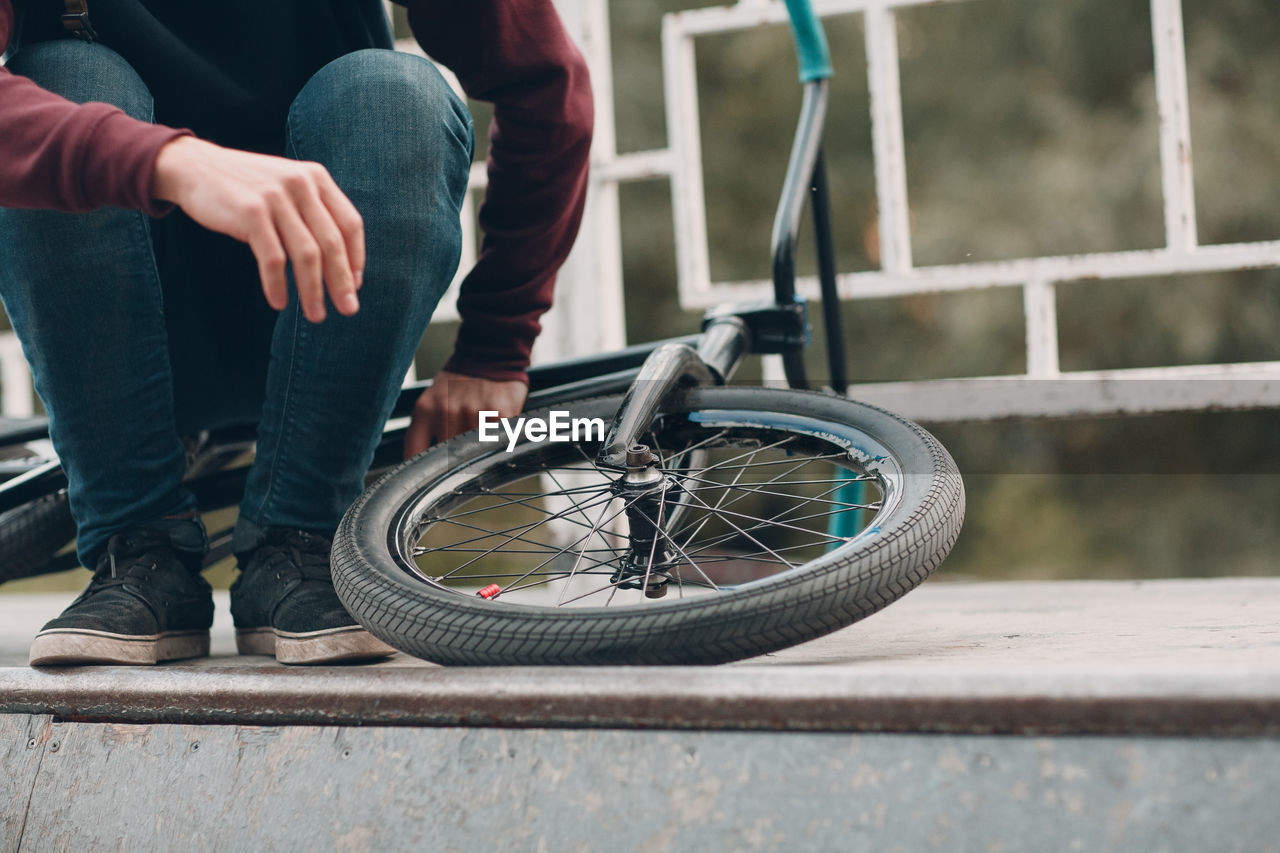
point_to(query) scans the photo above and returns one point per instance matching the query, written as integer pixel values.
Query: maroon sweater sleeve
(517, 55)
(71, 157)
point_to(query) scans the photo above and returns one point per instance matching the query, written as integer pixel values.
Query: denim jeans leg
(398, 142)
(84, 296)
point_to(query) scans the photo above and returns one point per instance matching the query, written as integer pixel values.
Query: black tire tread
(32, 534)
(450, 629)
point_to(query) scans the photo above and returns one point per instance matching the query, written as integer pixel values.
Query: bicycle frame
(646, 373)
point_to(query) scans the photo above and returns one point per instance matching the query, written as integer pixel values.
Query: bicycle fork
(652, 498)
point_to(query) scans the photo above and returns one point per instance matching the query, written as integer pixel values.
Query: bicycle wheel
(32, 534)
(469, 554)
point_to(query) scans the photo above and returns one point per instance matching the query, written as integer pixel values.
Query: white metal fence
(1044, 389)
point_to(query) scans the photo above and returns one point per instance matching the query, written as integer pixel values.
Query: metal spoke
(577, 509)
(550, 574)
(733, 556)
(566, 550)
(720, 505)
(613, 586)
(757, 491)
(590, 571)
(762, 523)
(670, 539)
(737, 558)
(722, 509)
(826, 513)
(786, 461)
(488, 534)
(825, 482)
(521, 498)
(751, 453)
(571, 535)
(744, 533)
(452, 516)
(608, 565)
(825, 457)
(554, 555)
(552, 579)
(875, 505)
(701, 444)
(783, 461)
(730, 536)
(487, 492)
(418, 552)
(717, 506)
(578, 561)
(523, 529)
(565, 492)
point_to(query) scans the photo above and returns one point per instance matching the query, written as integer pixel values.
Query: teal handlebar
(811, 42)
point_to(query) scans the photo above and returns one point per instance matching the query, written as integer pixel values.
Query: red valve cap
(489, 591)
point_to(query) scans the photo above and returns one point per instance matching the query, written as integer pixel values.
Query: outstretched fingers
(288, 211)
(304, 253)
(269, 252)
(349, 223)
(332, 245)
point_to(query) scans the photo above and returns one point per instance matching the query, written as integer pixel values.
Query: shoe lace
(298, 555)
(129, 557)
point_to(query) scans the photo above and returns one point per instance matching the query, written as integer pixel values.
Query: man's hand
(284, 209)
(452, 405)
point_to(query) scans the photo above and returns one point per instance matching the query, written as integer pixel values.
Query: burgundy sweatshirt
(514, 53)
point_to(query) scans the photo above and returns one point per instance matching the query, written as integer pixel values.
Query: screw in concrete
(53, 747)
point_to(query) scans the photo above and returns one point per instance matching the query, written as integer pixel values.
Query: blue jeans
(140, 331)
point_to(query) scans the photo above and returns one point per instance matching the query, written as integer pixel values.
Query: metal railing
(1044, 389)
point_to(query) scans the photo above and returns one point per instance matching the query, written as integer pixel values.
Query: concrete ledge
(86, 786)
(783, 698)
(1155, 658)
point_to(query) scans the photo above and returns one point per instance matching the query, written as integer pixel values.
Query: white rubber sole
(350, 643)
(70, 647)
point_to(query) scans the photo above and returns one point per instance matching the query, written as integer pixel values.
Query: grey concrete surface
(1195, 657)
(1147, 718)
(290, 788)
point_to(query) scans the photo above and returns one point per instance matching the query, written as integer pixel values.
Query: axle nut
(638, 456)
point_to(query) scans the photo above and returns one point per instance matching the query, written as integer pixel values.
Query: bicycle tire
(903, 545)
(31, 536)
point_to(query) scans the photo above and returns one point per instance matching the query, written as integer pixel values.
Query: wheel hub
(650, 558)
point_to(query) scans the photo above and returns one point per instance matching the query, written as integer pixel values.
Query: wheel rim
(747, 500)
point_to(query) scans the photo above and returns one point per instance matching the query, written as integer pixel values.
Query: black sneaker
(146, 603)
(284, 604)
